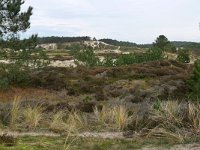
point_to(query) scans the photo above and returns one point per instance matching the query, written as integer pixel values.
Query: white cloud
(133, 20)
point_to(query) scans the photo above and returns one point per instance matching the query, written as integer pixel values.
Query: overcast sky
(139, 21)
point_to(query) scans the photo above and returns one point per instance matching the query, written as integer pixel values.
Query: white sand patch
(5, 61)
(65, 63)
(22, 134)
(103, 135)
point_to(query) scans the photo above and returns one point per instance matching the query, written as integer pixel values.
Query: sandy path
(21, 134)
(104, 135)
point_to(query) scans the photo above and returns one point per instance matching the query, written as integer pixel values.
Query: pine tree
(13, 22)
(164, 44)
(194, 82)
(21, 54)
(183, 56)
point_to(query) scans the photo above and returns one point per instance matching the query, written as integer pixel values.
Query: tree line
(56, 39)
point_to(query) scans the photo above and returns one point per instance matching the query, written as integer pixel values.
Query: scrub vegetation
(115, 95)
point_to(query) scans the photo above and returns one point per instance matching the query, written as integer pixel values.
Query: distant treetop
(118, 43)
(56, 39)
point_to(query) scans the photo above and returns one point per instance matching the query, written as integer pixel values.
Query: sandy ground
(103, 135)
(22, 134)
(65, 63)
(194, 146)
(119, 135)
(4, 61)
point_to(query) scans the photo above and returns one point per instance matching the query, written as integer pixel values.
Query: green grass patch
(58, 143)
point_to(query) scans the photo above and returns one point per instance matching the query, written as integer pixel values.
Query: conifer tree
(14, 22)
(194, 82)
(20, 53)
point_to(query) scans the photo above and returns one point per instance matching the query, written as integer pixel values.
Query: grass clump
(168, 113)
(163, 133)
(76, 121)
(14, 112)
(193, 116)
(120, 117)
(116, 117)
(58, 124)
(69, 122)
(32, 116)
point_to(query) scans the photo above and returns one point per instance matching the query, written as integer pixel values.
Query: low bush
(194, 82)
(87, 57)
(152, 55)
(12, 74)
(183, 56)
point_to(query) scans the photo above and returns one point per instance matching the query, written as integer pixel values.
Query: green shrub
(4, 83)
(87, 57)
(21, 53)
(183, 56)
(108, 62)
(152, 55)
(12, 74)
(194, 82)
(164, 44)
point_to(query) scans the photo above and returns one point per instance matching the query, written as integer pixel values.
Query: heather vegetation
(114, 95)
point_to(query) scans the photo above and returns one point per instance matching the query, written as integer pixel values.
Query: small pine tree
(87, 57)
(164, 44)
(194, 82)
(183, 56)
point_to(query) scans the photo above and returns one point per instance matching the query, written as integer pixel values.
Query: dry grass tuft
(120, 117)
(58, 123)
(116, 117)
(103, 116)
(162, 133)
(32, 116)
(168, 114)
(76, 121)
(15, 112)
(193, 116)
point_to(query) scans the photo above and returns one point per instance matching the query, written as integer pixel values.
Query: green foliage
(20, 54)
(4, 83)
(12, 20)
(157, 105)
(127, 59)
(194, 82)
(119, 43)
(108, 62)
(161, 42)
(152, 55)
(87, 99)
(12, 74)
(183, 56)
(87, 57)
(56, 39)
(164, 44)
(76, 47)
